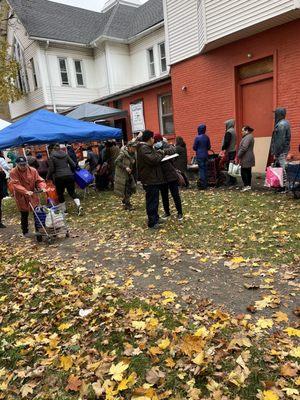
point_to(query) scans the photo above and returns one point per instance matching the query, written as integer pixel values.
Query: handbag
(181, 181)
(234, 170)
(274, 177)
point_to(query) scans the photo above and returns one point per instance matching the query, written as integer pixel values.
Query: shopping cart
(49, 220)
(293, 176)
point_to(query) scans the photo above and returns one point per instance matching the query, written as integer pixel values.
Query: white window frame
(162, 58)
(34, 74)
(67, 71)
(151, 75)
(161, 115)
(18, 55)
(82, 72)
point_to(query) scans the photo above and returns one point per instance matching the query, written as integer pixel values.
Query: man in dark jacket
(61, 168)
(201, 147)
(229, 146)
(92, 159)
(281, 140)
(72, 154)
(150, 174)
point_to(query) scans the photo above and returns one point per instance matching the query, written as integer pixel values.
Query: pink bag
(274, 177)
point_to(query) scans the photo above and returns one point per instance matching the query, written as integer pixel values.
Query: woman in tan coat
(24, 181)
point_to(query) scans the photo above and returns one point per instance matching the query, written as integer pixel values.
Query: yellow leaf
(169, 297)
(295, 352)
(152, 323)
(140, 325)
(64, 326)
(281, 317)
(66, 362)
(117, 370)
(237, 260)
(127, 383)
(170, 362)
(291, 392)
(28, 341)
(201, 332)
(199, 359)
(264, 323)
(163, 344)
(270, 395)
(155, 351)
(292, 332)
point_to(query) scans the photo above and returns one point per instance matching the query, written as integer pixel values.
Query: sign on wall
(137, 117)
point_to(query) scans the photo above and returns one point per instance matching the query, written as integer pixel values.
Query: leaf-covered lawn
(69, 331)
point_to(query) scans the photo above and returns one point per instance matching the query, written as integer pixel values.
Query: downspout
(107, 69)
(49, 78)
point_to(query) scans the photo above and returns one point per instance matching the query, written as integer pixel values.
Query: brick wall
(151, 110)
(210, 81)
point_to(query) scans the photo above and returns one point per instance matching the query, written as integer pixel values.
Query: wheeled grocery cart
(293, 176)
(49, 220)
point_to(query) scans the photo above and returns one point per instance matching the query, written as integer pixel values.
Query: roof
(49, 20)
(88, 111)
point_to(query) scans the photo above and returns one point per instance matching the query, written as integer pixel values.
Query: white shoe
(246, 189)
(79, 211)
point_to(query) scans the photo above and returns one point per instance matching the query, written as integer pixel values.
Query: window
(79, 72)
(166, 114)
(162, 56)
(22, 78)
(151, 62)
(63, 71)
(34, 77)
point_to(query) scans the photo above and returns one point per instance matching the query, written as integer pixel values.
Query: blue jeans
(202, 163)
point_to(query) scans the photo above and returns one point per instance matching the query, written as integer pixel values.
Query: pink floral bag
(274, 177)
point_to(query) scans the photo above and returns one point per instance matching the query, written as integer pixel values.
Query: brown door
(257, 104)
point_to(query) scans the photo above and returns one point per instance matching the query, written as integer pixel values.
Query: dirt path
(194, 279)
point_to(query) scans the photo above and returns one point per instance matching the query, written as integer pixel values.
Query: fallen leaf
(74, 383)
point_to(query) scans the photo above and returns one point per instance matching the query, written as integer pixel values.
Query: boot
(78, 205)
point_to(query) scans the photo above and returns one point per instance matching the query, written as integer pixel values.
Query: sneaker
(2, 226)
(79, 211)
(246, 188)
(165, 217)
(180, 217)
(155, 227)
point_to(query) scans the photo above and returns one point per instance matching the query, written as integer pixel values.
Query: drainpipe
(107, 69)
(49, 78)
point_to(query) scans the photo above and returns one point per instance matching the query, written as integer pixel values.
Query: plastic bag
(234, 170)
(51, 193)
(274, 177)
(54, 219)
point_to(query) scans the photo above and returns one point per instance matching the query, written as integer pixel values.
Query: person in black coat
(171, 181)
(181, 162)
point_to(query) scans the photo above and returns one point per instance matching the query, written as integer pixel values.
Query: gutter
(49, 78)
(58, 41)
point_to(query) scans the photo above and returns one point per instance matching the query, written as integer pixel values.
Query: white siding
(183, 28)
(139, 57)
(224, 17)
(118, 64)
(201, 25)
(35, 98)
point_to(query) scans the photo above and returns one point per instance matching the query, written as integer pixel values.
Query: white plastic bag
(234, 170)
(54, 219)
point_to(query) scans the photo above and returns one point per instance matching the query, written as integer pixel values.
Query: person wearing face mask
(24, 181)
(246, 156)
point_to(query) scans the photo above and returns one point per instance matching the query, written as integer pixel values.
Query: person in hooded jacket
(171, 180)
(201, 147)
(181, 162)
(246, 156)
(229, 146)
(61, 168)
(281, 141)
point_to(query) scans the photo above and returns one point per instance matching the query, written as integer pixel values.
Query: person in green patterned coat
(125, 184)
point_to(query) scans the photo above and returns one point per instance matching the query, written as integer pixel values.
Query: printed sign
(137, 117)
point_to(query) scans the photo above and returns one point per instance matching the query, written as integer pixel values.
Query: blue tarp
(43, 127)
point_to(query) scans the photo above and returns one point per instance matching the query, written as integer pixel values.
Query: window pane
(166, 105)
(64, 78)
(151, 55)
(152, 69)
(168, 124)
(162, 50)
(163, 64)
(79, 79)
(78, 66)
(62, 65)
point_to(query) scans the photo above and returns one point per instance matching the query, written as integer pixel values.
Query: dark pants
(202, 164)
(63, 183)
(152, 202)
(246, 176)
(24, 221)
(231, 157)
(0, 209)
(174, 189)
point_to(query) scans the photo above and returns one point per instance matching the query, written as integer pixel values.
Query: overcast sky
(95, 5)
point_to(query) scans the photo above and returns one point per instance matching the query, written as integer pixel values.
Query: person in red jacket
(24, 181)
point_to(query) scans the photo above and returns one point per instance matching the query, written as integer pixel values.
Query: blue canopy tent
(44, 127)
